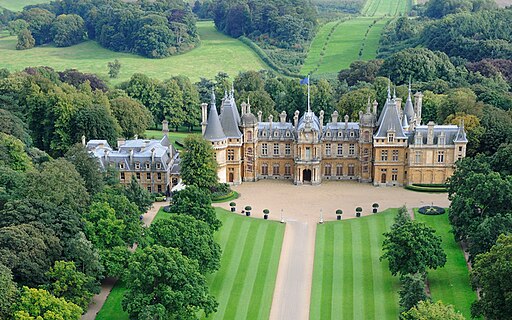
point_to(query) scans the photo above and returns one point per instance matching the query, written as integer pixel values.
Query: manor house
(393, 149)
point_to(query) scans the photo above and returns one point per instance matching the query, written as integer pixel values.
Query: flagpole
(309, 108)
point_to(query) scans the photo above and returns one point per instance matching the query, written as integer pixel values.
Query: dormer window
(159, 165)
(276, 133)
(148, 166)
(137, 165)
(351, 133)
(340, 134)
(287, 133)
(264, 133)
(121, 165)
(391, 137)
(328, 134)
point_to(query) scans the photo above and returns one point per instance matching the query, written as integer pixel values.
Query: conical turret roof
(390, 120)
(213, 130)
(461, 134)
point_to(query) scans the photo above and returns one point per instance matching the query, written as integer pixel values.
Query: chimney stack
(334, 117)
(282, 117)
(346, 121)
(430, 133)
(259, 115)
(296, 119)
(204, 116)
(165, 127)
(375, 104)
(321, 119)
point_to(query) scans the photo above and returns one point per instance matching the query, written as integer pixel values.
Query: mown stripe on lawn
(375, 230)
(391, 284)
(230, 261)
(337, 273)
(367, 272)
(358, 274)
(318, 268)
(348, 275)
(261, 298)
(327, 281)
(241, 272)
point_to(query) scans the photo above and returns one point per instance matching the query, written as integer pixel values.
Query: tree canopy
(198, 163)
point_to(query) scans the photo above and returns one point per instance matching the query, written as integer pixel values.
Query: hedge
(264, 56)
(435, 185)
(426, 189)
(226, 197)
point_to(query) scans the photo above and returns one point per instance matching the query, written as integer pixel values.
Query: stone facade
(392, 150)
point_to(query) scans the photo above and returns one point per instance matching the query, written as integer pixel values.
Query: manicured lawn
(244, 284)
(173, 136)
(112, 309)
(216, 53)
(449, 284)
(349, 280)
(17, 5)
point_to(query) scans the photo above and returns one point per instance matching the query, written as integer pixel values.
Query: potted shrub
(339, 212)
(358, 211)
(375, 207)
(265, 213)
(248, 210)
(233, 206)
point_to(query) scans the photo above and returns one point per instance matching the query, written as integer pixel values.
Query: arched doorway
(306, 175)
(231, 177)
(383, 178)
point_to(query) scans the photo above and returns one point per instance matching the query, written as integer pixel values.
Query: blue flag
(304, 81)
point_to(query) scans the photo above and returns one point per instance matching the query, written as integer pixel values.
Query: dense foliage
(153, 29)
(426, 310)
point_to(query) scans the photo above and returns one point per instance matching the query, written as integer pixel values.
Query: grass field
(449, 284)
(17, 5)
(244, 284)
(217, 53)
(339, 43)
(349, 281)
(173, 136)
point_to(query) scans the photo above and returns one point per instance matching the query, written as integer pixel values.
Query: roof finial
(213, 96)
(389, 89)
(394, 92)
(232, 90)
(410, 85)
(225, 94)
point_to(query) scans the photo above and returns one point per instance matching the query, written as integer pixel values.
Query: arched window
(249, 135)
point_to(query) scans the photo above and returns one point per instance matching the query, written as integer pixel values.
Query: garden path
(99, 299)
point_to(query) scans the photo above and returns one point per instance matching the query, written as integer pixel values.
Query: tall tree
(412, 290)
(87, 166)
(8, 292)
(68, 30)
(426, 310)
(133, 117)
(138, 195)
(194, 238)
(491, 274)
(40, 23)
(25, 40)
(195, 202)
(162, 282)
(40, 304)
(412, 247)
(198, 164)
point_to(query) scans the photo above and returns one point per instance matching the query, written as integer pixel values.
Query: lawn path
(295, 274)
(99, 299)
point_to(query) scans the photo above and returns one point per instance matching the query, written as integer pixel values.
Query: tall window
(159, 176)
(137, 175)
(365, 168)
(340, 149)
(148, 176)
(308, 153)
(352, 149)
(122, 176)
(440, 156)
(395, 155)
(287, 169)
(264, 149)
(417, 157)
(391, 137)
(384, 155)
(231, 154)
(249, 135)
(287, 149)
(394, 174)
(264, 169)
(275, 170)
(327, 149)
(351, 170)
(339, 170)
(327, 170)
(159, 188)
(276, 149)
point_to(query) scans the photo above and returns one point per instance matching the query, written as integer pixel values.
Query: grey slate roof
(340, 131)
(409, 109)
(213, 130)
(228, 120)
(450, 132)
(461, 134)
(277, 130)
(390, 121)
(309, 118)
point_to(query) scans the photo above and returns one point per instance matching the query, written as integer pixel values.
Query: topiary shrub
(339, 212)
(358, 211)
(248, 210)
(375, 207)
(232, 205)
(265, 213)
(431, 210)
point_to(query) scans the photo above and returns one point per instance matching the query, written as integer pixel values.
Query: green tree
(198, 164)
(412, 290)
(68, 283)
(29, 252)
(84, 254)
(260, 101)
(39, 304)
(412, 247)
(25, 40)
(354, 101)
(68, 30)
(8, 292)
(192, 115)
(365, 71)
(192, 237)
(114, 67)
(171, 104)
(115, 261)
(40, 23)
(102, 227)
(426, 310)
(146, 90)
(16, 26)
(138, 195)
(131, 115)
(87, 166)
(12, 153)
(95, 121)
(195, 202)
(491, 274)
(164, 279)
(13, 125)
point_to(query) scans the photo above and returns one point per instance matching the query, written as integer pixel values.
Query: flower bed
(431, 210)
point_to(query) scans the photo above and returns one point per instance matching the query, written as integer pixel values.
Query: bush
(431, 210)
(339, 211)
(248, 208)
(232, 204)
(224, 197)
(359, 209)
(266, 211)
